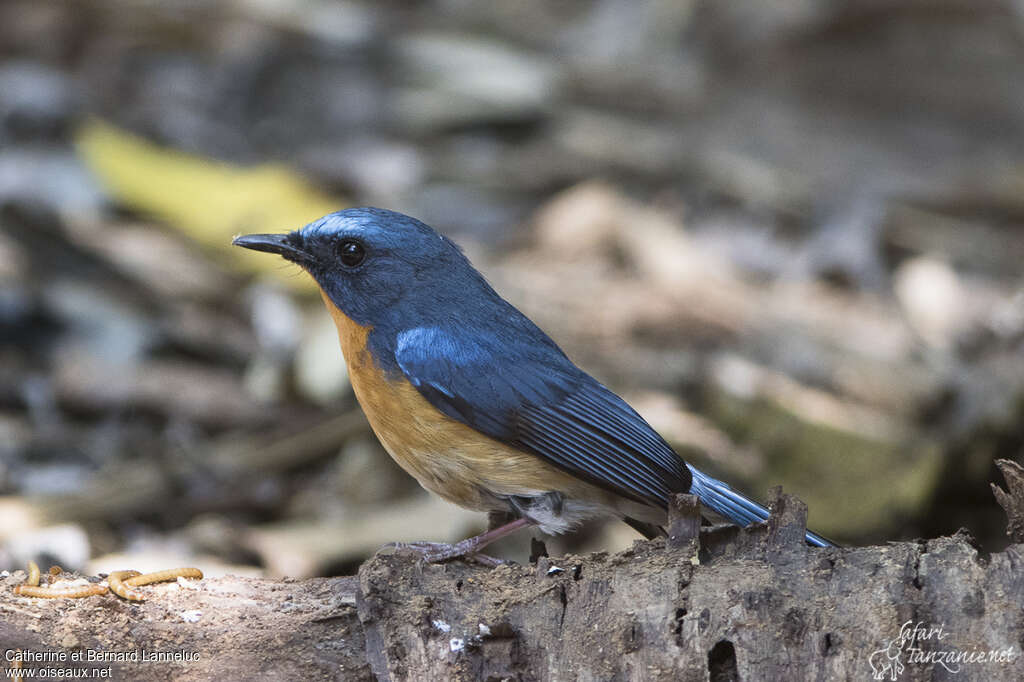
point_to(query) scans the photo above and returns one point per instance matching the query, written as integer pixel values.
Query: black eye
(351, 253)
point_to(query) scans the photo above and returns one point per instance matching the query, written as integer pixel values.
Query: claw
(436, 552)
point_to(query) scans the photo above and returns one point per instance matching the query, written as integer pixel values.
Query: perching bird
(473, 399)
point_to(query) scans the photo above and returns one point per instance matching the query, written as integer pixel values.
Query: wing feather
(534, 398)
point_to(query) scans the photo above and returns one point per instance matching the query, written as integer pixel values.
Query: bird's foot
(436, 552)
(469, 548)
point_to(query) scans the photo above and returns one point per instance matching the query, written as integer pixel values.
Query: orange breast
(447, 457)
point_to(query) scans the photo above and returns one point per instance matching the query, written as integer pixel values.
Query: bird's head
(373, 263)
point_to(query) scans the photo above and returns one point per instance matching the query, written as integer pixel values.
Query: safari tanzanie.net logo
(922, 645)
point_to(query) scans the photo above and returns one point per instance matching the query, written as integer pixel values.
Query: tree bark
(751, 604)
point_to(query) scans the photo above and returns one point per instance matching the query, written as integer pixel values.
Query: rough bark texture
(1012, 500)
(753, 604)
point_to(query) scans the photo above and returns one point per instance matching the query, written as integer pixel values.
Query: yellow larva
(33, 574)
(118, 587)
(121, 582)
(164, 576)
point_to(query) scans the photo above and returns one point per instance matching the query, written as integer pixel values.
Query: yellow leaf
(210, 201)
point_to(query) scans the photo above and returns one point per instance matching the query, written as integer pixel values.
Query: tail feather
(739, 509)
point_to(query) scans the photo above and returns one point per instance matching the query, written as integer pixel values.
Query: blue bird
(475, 401)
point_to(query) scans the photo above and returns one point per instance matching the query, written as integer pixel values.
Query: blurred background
(789, 233)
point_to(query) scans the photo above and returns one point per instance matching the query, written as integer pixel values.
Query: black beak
(280, 244)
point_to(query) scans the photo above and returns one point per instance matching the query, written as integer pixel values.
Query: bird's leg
(435, 552)
(477, 542)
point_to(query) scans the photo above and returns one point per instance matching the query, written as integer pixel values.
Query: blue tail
(741, 510)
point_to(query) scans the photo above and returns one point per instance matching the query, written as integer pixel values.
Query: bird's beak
(272, 243)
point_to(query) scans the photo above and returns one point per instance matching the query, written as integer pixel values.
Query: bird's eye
(351, 253)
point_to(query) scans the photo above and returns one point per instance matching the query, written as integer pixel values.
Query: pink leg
(435, 552)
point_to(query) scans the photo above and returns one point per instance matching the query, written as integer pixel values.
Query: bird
(473, 400)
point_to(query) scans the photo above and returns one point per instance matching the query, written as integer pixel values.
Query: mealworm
(56, 570)
(33, 574)
(117, 586)
(164, 576)
(72, 592)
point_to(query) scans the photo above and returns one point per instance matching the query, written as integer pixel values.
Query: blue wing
(531, 396)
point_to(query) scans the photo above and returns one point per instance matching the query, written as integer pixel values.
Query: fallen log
(753, 603)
